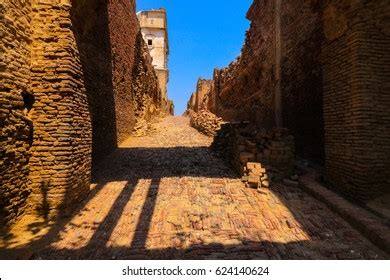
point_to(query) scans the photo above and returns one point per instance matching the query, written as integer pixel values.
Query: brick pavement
(166, 195)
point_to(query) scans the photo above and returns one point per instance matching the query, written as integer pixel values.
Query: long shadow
(153, 164)
(90, 23)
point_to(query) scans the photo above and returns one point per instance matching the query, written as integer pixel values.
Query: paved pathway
(167, 196)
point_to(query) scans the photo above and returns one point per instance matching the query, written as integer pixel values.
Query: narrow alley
(166, 195)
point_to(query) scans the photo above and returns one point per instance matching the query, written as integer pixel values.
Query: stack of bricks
(255, 176)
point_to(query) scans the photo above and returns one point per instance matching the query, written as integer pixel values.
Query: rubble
(261, 156)
(205, 122)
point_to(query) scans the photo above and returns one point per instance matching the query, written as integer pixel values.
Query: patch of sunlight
(199, 213)
(29, 228)
(78, 232)
(124, 230)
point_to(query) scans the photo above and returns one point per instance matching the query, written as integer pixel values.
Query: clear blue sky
(203, 34)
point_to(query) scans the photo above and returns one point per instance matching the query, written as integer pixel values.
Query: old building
(155, 33)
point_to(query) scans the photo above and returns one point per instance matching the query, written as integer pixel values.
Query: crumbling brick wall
(135, 84)
(75, 77)
(60, 162)
(203, 87)
(116, 70)
(15, 125)
(147, 99)
(245, 90)
(334, 85)
(356, 96)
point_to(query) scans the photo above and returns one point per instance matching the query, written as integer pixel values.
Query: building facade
(155, 33)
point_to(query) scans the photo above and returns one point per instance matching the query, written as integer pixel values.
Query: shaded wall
(301, 76)
(90, 24)
(357, 96)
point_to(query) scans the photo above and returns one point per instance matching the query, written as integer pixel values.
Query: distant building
(154, 31)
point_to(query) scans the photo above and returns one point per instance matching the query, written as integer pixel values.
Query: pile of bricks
(260, 156)
(205, 122)
(255, 176)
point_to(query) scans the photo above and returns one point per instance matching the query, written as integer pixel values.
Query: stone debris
(267, 155)
(205, 122)
(143, 128)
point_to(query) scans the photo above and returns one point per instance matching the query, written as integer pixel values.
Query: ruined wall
(147, 98)
(15, 125)
(135, 84)
(334, 76)
(245, 90)
(75, 78)
(356, 96)
(203, 88)
(60, 162)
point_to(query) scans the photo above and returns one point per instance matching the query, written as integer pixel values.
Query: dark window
(150, 42)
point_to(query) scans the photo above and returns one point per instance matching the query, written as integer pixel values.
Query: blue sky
(203, 34)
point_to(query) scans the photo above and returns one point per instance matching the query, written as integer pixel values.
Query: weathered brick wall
(135, 84)
(116, 69)
(75, 78)
(245, 90)
(15, 124)
(356, 96)
(60, 162)
(90, 25)
(147, 101)
(203, 87)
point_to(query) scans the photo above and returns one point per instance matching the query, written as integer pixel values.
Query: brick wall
(245, 90)
(135, 85)
(203, 87)
(75, 78)
(356, 96)
(60, 162)
(15, 124)
(302, 108)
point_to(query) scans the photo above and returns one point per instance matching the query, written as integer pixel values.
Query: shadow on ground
(327, 238)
